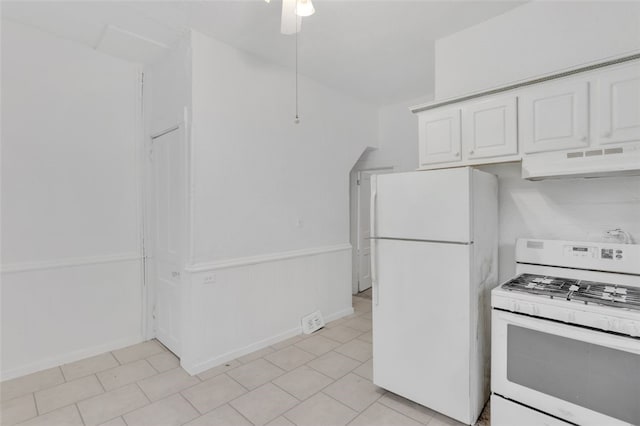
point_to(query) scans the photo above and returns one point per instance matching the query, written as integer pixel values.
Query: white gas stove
(566, 336)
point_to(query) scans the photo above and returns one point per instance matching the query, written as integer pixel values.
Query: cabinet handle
(457, 154)
(607, 135)
(471, 152)
(584, 138)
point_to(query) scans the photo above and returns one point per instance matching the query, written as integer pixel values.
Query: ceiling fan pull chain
(297, 120)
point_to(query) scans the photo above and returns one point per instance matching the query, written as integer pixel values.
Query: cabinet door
(489, 128)
(439, 136)
(619, 103)
(554, 117)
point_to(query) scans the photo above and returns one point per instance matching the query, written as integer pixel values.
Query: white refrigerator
(434, 262)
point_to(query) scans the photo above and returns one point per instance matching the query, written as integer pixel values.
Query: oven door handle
(600, 338)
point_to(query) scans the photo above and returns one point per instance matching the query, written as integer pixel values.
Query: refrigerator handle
(374, 275)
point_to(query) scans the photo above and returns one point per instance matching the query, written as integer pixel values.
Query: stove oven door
(581, 375)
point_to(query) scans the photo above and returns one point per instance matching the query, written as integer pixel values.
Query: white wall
(270, 227)
(565, 209)
(71, 281)
(536, 38)
(397, 138)
(262, 183)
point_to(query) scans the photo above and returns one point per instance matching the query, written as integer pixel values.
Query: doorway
(361, 227)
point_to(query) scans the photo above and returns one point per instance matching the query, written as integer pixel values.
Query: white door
(439, 136)
(169, 194)
(428, 205)
(421, 323)
(490, 128)
(363, 218)
(619, 115)
(554, 116)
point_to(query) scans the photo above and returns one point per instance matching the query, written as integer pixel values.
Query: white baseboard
(69, 357)
(198, 368)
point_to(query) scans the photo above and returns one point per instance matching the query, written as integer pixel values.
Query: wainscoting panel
(238, 308)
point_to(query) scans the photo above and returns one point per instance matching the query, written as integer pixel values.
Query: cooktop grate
(571, 289)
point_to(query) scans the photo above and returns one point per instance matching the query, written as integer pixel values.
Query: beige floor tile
(115, 422)
(164, 384)
(164, 361)
(303, 382)
(367, 316)
(362, 305)
(367, 337)
(380, 415)
(125, 374)
(264, 404)
(320, 410)
(67, 393)
(255, 373)
(171, 411)
(66, 416)
(334, 364)
(317, 344)
(212, 372)
(442, 420)
(112, 404)
(365, 370)
(356, 349)
(340, 333)
(88, 366)
(280, 421)
(10, 389)
(289, 358)
(354, 391)
(335, 323)
(255, 355)
(409, 408)
(359, 323)
(213, 393)
(17, 410)
(221, 416)
(139, 351)
(290, 341)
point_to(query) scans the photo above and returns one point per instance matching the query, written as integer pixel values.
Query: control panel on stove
(596, 256)
(594, 252)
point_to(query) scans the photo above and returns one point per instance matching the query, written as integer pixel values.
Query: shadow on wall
(566, 209)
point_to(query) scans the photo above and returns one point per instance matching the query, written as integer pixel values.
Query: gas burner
(619, 296)
(608, 294)
(543, 285)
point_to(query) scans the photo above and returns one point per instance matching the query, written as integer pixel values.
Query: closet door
(169, 196)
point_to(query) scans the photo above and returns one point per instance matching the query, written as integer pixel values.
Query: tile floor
(322, 379)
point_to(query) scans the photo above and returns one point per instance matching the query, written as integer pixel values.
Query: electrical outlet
(312, 322)
(209, 279)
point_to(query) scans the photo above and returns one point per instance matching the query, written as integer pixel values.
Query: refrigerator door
(432, 205)
(421, 324)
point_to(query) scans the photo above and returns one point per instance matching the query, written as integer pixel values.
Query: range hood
(621, 160)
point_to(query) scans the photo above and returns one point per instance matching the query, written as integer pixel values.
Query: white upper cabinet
(619, 105)
(554, 116)
(489, 128)
(439, 136)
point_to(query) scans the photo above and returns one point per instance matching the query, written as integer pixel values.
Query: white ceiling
(378, 51)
